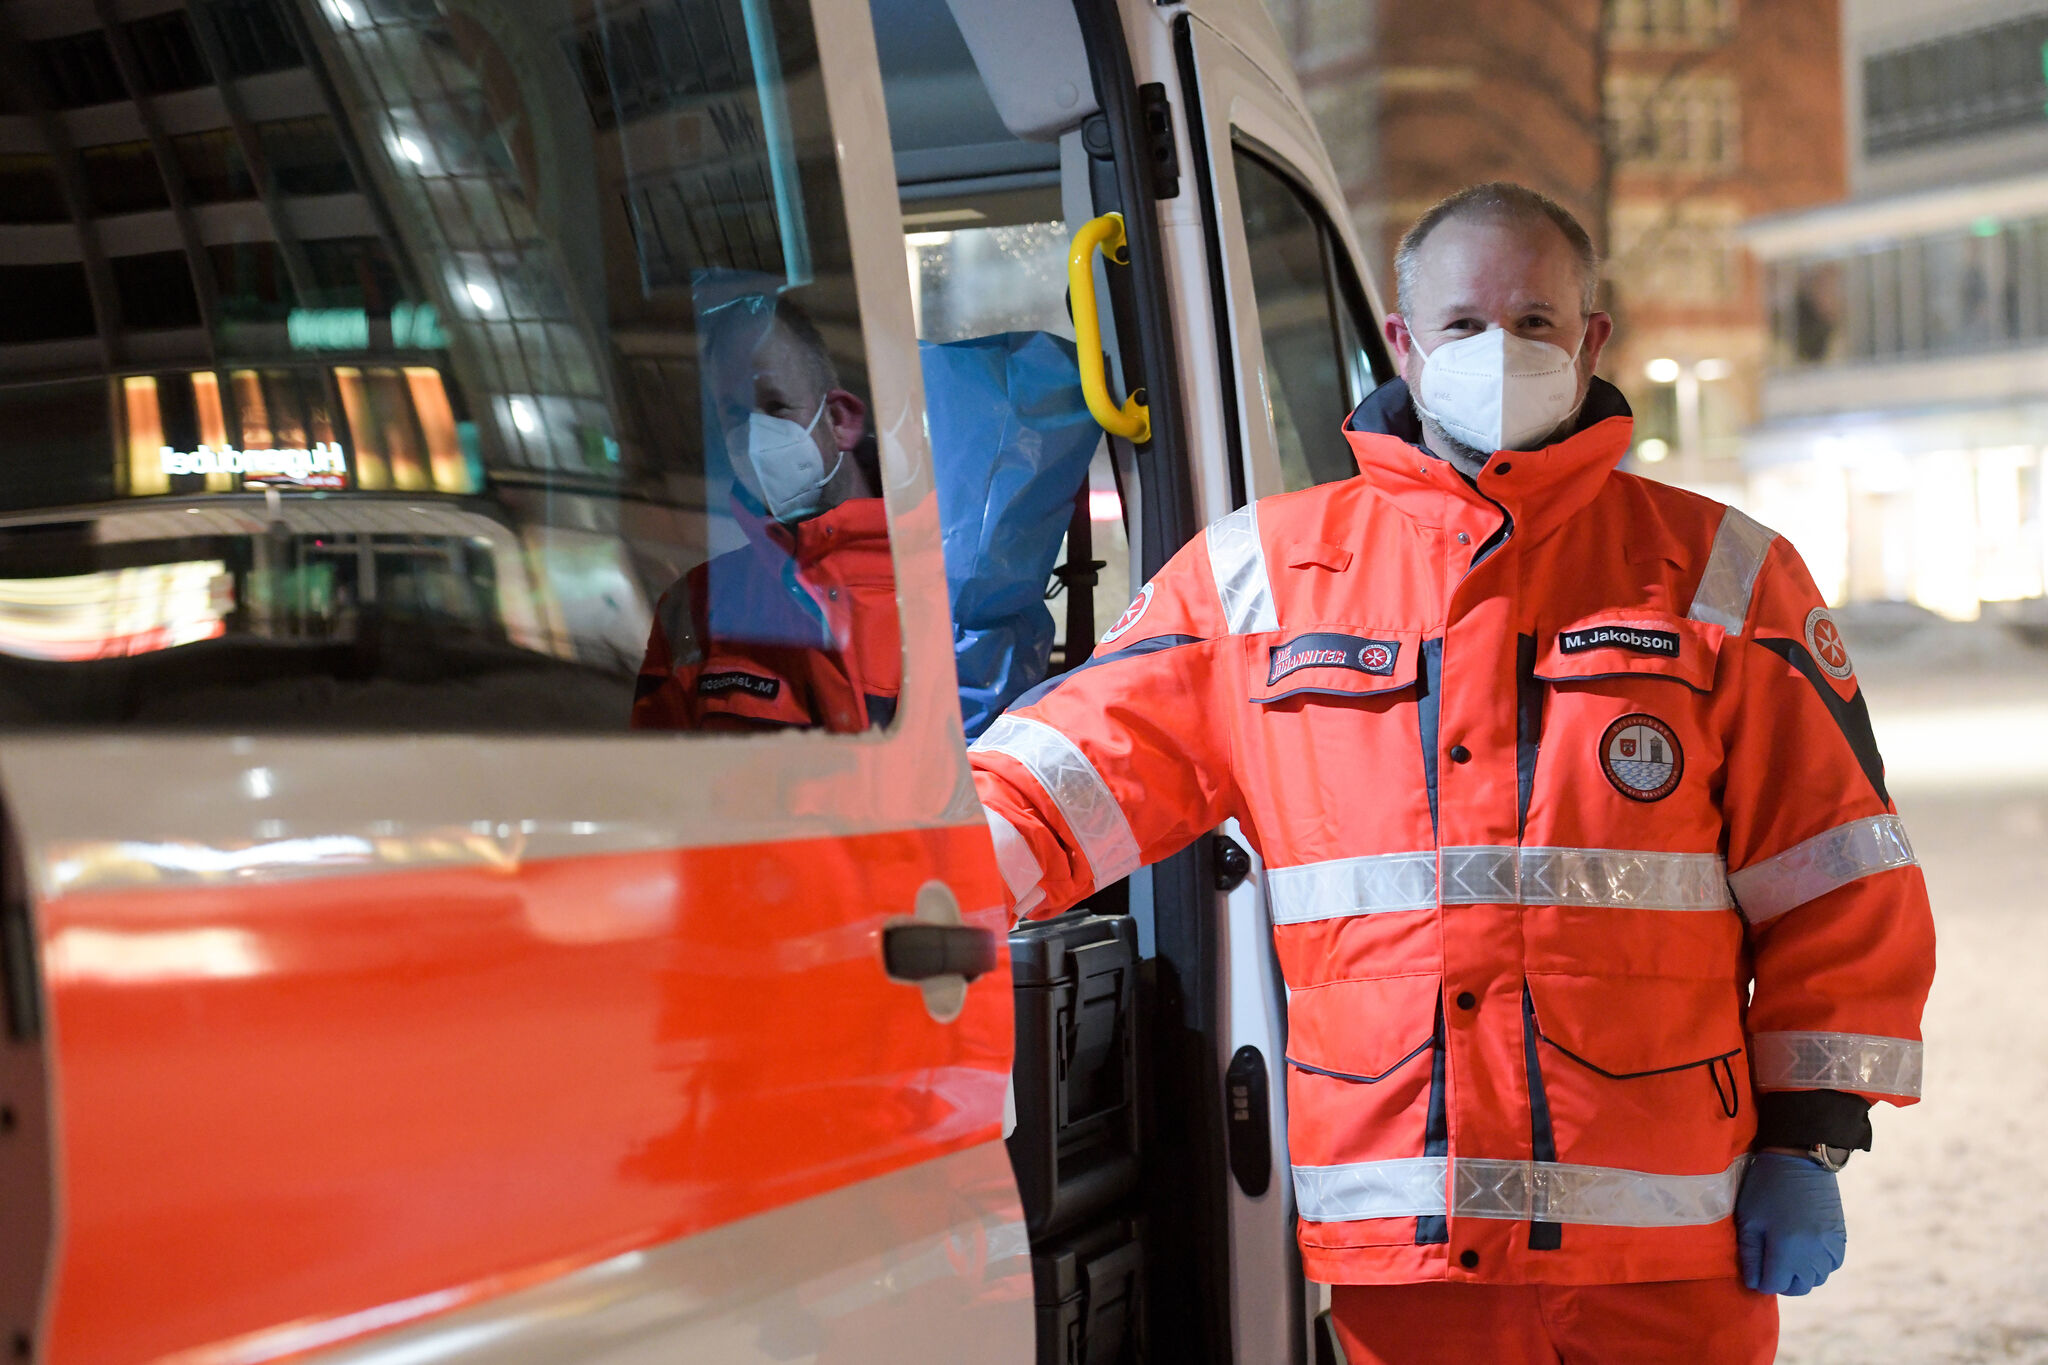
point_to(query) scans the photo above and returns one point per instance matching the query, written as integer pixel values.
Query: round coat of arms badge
(1642, 758)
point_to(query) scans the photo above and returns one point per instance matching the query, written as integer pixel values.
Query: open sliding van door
(1280, 341)
(498, 880)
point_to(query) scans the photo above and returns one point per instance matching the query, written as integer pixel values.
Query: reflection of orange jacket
(798, 627)
(1542, 771)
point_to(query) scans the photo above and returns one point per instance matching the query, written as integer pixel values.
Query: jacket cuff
(1812, 1118)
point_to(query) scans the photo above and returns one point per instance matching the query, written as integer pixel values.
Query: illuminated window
(1684, 123)
(1680, 252)
(1670, 23)
(1960, 86)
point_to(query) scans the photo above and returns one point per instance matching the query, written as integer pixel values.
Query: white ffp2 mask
(777, 461)
(1498, 391)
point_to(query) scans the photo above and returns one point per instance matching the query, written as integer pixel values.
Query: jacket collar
(854, 531)
(1540, 489)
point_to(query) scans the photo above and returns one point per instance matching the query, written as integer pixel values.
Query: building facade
(1905, 407)
(1663, 124)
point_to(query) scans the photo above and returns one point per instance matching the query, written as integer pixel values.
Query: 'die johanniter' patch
(1663, 643)
(714, 684)
(1332, 651)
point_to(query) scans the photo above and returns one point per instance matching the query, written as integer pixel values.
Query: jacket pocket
(1334, 661)
(1645, 1073)
(1630, 642)
(1359, 1062)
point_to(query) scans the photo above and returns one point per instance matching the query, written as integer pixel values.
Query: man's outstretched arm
(1124, 760)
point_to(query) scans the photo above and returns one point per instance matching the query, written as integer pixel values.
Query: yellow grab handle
(1132, 421)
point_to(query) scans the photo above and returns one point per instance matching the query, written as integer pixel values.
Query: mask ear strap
(833, 472)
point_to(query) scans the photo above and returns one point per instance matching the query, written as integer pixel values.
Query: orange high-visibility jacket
(1545, 772)
(797, 628)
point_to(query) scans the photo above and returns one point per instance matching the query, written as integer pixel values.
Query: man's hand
(1789, 1233)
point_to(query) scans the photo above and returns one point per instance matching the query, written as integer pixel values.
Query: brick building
(1662, 123)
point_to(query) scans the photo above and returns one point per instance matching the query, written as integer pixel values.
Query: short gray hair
(1498, 200)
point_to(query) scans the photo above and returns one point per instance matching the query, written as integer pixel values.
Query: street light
(1685, 379)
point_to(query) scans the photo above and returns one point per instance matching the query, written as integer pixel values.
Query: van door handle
(919, 952)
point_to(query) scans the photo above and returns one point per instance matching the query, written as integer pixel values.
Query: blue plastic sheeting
(1011, 441)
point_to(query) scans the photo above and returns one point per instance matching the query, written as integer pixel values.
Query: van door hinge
(1157, 112)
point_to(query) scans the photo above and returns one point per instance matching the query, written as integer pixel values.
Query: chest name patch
(753, 684)
(1323, 650)
(1662, 643)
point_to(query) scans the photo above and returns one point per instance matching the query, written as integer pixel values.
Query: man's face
(1476, 274)
(787, 384)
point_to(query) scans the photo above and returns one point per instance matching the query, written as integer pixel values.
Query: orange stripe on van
(284, 1104)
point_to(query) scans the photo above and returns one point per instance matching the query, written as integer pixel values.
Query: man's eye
(1535, 321)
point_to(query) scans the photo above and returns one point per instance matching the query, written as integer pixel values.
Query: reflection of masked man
(798, 627)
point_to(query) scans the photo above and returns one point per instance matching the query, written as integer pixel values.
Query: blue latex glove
(1789, 1233)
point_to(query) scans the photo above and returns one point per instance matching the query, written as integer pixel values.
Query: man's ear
(1599, 327)
(1399, 337)
(848, 417)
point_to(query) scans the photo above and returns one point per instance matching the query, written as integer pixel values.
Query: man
(1546, 764)
(798, 628)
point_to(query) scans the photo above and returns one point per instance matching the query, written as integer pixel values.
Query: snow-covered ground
(1948, 1216)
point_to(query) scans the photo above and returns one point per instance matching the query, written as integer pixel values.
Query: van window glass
(526, 394)
(1316, 364)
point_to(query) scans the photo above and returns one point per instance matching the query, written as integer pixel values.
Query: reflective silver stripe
(1730, 577)
(1239, 563)
(1616, 877)
(1409, 1187)
(1551, 1192)
(1608, 877)
(1541, 1191)
(1837, 1061)
(1809, 870)
(1352, 886)
(1084, 799)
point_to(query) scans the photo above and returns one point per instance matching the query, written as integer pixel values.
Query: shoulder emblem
(1133, 614)
(1824, 642)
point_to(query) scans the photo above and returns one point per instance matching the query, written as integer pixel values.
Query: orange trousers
(1697, 1322)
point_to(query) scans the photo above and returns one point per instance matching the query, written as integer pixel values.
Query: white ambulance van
(463, 898)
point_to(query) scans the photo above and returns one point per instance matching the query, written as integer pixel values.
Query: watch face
(1834, 1158)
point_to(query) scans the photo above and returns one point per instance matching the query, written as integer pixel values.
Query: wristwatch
(1830, 1158)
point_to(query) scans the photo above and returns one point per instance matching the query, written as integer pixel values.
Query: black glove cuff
(1812, 1118)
